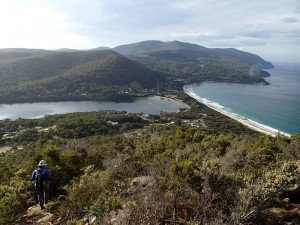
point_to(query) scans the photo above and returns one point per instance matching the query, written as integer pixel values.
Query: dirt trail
(5, 149)
(35, 215)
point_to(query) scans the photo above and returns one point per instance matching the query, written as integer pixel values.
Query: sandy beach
(173, 97)
(247, 122)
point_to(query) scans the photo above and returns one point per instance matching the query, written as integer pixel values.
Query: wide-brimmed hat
(42, 163)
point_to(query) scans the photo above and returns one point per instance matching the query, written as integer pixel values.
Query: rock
(80, 222)
(35, 215)
(86, 220)
(140, 184)
(291, 197)
(292, 192)
(118, 218)
(286, 203)
(290, 211)
(276, 216)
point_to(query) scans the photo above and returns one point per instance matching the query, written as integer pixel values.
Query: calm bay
(149, 105)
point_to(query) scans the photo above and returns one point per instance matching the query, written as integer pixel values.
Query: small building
(113, 123)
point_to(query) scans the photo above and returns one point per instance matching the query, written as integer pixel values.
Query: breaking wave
(226, 111)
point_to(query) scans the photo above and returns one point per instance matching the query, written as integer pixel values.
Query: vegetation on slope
(72, 75)
(192, 62)
(216, 173)
(192, 51)
(39, 75)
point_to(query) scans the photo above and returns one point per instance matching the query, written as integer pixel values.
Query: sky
(269, 28)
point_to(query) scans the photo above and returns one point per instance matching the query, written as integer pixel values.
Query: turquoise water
(276, 105)
(150, 105)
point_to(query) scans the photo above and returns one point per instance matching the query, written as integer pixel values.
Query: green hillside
(29, 75)
(193, 167)
(144, 47)
(185, 50)
(146, 170)
(195, 63)
(17, 53)
(55, 75)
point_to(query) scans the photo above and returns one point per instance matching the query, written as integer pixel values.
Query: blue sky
(269, 28)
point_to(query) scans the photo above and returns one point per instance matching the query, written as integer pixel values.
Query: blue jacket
(41, 169)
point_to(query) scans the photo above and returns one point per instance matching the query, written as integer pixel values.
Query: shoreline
(246, 122)
(174, 98)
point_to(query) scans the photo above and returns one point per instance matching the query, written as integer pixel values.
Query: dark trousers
(43, 195)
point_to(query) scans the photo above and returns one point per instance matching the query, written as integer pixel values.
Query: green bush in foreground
(200, 175)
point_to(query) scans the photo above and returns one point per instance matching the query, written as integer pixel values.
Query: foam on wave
(226, 111)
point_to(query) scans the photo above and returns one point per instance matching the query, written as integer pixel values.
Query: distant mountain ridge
(247, 57)
(16, 53)
(133, 69)
(154, 48)
(195, 63)
(143, 47)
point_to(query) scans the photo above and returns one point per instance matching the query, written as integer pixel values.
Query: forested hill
(31, 75)
(192, 51)
(17, 53)
(38, 75)
(108, 167)
(195, 63)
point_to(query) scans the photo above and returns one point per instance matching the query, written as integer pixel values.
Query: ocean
(276, 105)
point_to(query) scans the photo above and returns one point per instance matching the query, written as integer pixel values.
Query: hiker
(41, 176)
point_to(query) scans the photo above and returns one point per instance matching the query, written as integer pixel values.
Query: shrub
(104, 204)
(14, 198)
(262, 193)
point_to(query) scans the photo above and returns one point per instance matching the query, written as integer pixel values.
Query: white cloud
(91, 23)
(34, 26)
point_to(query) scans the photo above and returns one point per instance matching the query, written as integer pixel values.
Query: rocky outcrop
(35, 215)
(140, 184)
(118, 217)
(281, 216)
(289, 212)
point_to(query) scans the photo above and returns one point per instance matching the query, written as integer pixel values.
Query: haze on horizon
(268, 28)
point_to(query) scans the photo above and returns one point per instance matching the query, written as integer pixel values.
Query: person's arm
(48, 176)
(33, 175)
